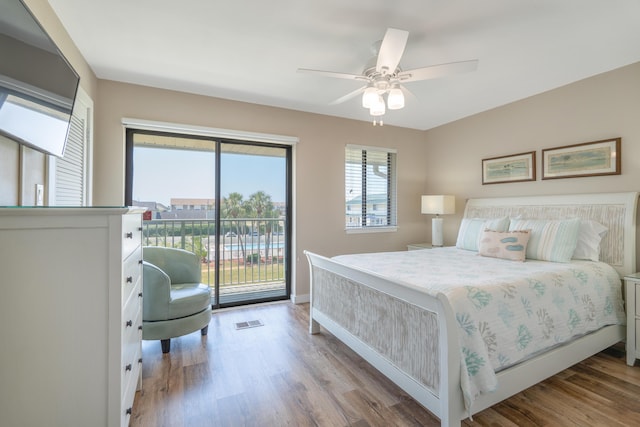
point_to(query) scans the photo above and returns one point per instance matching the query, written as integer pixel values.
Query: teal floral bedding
(506, 310)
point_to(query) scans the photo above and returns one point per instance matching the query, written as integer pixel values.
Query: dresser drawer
(131, 233)
(637, 313)
(129, 393)
(131, 347)
(131, 274)
(132, 305)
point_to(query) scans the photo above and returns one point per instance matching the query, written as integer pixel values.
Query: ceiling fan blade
(408, 94)
(348, 96)
(333, 74)
(391, 50)
(436, 71)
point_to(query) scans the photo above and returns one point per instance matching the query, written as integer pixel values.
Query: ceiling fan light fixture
(395, 99)
(378, 107)
(369, 97)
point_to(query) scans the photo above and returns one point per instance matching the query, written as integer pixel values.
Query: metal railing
(251, 250)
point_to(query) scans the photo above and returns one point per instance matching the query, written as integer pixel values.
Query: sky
(162, 174)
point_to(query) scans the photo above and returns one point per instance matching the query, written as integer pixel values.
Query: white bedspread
(506, 310)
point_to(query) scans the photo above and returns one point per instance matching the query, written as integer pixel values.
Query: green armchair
(174, 302)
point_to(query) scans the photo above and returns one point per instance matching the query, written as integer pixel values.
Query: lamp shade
(378, 107)
(395, 99)
(369, 97)
(438, 205)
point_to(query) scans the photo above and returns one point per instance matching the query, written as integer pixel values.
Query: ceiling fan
(383, 76)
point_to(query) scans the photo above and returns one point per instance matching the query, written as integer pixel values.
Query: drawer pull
(128, 367)
(140, 360)
(140, 327)
(129, 323)
(139, 228)
(128, 411)
(130, 279)
(139, 294)
(139, 261)
(129, 235)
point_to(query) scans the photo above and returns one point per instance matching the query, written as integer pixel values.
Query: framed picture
(588, 159)
(513, 168)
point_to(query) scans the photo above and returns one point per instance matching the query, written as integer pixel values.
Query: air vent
(249, 324)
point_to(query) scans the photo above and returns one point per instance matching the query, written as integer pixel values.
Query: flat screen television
(38, 86)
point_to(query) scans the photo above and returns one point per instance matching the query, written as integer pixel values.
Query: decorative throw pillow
(551, 240)
(510, 245)
(590, 234)
(471, 228)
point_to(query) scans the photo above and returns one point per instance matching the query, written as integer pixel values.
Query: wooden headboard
(616, 211)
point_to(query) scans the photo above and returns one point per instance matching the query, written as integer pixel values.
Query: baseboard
(300, 299)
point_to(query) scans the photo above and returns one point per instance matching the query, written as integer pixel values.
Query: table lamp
(438, 205)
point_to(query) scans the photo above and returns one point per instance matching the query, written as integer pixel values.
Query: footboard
(406, 334)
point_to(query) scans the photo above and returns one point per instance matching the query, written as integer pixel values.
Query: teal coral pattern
(478, 297)
(524, 337)
(473, 361)
(465, 323)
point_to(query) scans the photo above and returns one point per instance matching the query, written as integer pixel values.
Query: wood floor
(279, 375)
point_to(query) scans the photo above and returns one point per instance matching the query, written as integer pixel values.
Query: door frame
(227, 136)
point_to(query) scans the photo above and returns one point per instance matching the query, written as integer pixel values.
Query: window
(370, 188)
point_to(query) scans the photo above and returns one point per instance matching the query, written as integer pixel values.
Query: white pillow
(471, 229)
(590, 234)
(551, 240)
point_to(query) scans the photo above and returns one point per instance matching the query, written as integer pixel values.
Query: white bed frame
(617, 211)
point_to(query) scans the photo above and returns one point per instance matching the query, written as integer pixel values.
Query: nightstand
(416, 246)
(632, 287)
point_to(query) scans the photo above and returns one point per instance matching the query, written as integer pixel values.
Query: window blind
(370, 187)
(70, 176)
(70, 169)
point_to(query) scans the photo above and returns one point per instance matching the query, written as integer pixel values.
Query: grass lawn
(234, 273)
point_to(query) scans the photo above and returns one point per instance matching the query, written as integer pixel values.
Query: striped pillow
(551, 240)
(471, 229)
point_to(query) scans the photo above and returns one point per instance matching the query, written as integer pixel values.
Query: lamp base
(436, 231)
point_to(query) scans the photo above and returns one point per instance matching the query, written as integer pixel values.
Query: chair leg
(166, 345)
(204, 330)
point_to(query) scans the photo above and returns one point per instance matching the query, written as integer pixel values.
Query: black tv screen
(37, 84)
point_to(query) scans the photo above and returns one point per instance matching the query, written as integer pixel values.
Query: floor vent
(249, 324)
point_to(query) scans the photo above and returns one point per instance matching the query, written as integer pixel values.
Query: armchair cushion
(188, 298)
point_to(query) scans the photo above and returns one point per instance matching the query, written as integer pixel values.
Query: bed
(416, 336)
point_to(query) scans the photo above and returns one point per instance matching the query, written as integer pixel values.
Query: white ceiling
(250, 50)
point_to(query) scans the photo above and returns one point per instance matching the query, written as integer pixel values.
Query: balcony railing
(251, 252)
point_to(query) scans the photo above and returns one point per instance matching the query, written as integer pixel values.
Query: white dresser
(70, 315)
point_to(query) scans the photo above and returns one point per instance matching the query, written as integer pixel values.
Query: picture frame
(512, 168)
(595, 158)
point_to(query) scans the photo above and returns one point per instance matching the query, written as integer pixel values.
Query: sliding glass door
(227, 201)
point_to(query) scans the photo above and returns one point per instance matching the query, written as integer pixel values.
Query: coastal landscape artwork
(511, 168)
(588, 159)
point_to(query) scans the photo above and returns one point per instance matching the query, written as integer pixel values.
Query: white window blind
(69, 176)
(70, 169)
(370, 187)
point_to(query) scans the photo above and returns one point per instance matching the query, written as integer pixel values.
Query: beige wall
(52, 25)
(319, 162)
(601, 107)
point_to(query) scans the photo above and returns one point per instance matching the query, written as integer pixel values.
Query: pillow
(471, 228)
(590, 234)
(551, 240)
(504, 244)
